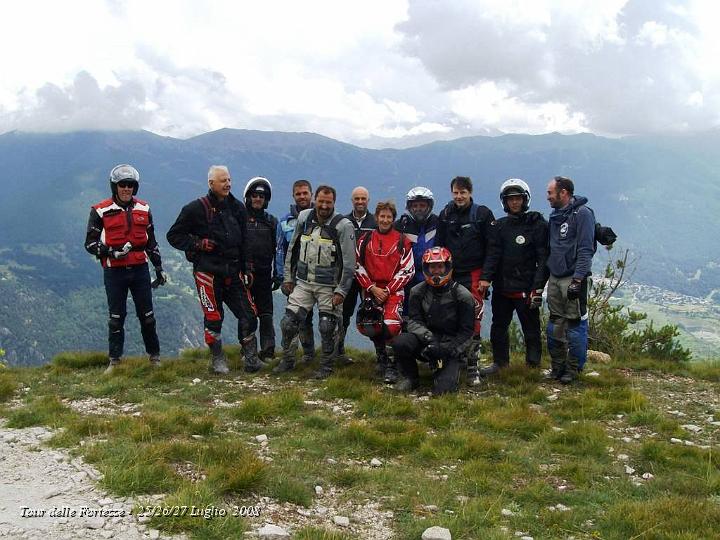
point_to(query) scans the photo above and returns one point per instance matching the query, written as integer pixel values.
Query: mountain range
(659, 193)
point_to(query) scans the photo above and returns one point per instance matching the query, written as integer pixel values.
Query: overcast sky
(361, 72)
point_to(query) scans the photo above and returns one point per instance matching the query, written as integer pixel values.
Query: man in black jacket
(515, 265)
(463, 229)
(364, 222)
(261, 229)
(212, 231)
(440, 323)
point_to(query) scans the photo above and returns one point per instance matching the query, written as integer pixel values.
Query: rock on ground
(436, 533)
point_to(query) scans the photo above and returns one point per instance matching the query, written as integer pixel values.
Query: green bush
(615, 329)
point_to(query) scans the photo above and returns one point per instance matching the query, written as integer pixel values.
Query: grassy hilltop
(606, 458)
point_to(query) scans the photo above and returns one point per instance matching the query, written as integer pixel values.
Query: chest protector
(319, 252)
(122, 225)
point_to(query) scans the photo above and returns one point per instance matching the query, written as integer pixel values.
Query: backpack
(604, 236)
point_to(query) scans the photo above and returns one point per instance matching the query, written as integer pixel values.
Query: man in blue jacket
(572, 246)
(302, 196)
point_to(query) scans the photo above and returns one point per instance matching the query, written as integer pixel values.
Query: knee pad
(116, 323)
(328, 325)
(148, 320)
(290, 323)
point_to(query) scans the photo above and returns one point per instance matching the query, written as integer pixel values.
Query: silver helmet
(124, 172)
(419, 194)
(515, 186)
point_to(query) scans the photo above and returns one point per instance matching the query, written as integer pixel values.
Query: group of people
(416, 284)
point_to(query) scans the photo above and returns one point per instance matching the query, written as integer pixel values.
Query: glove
(434, 353)
(276, 282)
(287, 288)
(122, 252)
(573, 292)
(205, 244)
(535, 299)
(160, 278)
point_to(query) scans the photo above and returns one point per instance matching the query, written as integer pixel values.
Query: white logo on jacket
(520, 239)
(563, 230)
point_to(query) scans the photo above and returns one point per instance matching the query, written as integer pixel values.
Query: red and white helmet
(437, 255)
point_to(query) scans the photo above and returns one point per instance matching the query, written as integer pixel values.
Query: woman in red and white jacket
(384, 266)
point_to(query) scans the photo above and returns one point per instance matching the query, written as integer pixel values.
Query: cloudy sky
(375, 73)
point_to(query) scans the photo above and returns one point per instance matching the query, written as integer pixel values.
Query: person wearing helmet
(463, 229)
(572, 246)
(441, 321)
(212, 231)
(261, 229)
(121, 235)
(385, 266)
(319, 269)
(364, 223)
(419, 224)
(515, 265)
(302, 197)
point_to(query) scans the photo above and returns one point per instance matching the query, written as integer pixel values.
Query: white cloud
(361, 71)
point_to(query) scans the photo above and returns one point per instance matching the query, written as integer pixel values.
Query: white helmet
(127, 173)
(515, 186)
(258, 184)
(419, 194)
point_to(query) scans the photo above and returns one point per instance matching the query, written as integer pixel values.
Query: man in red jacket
(120, 234)
(385, 265)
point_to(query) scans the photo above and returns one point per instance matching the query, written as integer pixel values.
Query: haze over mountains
(660, 194)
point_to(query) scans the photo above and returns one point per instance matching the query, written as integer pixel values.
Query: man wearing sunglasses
(262, 248)
(120, 234)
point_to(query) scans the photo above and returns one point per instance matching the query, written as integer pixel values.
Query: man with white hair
(212, 231)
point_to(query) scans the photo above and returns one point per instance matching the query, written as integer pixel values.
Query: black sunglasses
(126, 184)
(258, 195)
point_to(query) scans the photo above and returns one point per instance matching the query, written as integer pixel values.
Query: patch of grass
(238, 478)
(318, 421)
(261, 409)
(663, 517)
(598, 403)
(349, 476)
(443, 412)
(130, 468)
(314, 533)
(213, 528)
(656, 421)
(460, 445)
(341, 388)
(708, 370)
(80, 359)
(584, 439)
(387, 437)
(286, 488)
(517, 420)
(42, 411)
(174, 421)
(8, 385)
(378, 404)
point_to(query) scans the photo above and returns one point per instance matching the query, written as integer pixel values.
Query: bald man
(364, 222)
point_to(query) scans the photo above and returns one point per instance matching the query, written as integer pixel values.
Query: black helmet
(258, 184)
(124, 172)
(369, 318)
